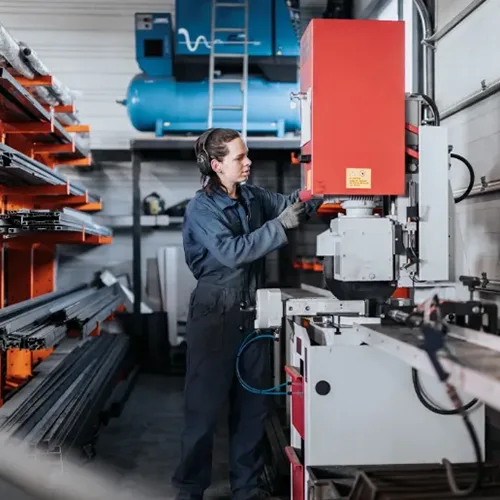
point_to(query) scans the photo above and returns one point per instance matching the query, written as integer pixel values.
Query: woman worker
(229, 227)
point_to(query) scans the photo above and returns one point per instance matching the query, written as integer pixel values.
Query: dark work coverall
(225, 241)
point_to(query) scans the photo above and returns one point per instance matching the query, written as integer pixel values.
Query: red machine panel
(353, 115)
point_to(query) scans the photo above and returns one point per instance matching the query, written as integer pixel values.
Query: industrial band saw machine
(377, 381)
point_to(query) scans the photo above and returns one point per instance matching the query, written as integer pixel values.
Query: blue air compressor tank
(164, 105)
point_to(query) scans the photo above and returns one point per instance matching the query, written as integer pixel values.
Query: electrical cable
(422, 397)
(456, 490)
(437, 121)
(472, 177)
(458, 407)
(432, 104)
(429, 307)
(426, 401)
(271, 391)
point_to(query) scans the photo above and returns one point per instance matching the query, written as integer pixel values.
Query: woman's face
(235, 167)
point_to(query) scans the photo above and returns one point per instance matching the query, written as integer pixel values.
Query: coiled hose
(251, 338)
(472, 177)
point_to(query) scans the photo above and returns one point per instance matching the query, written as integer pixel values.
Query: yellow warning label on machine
(358, 178)
(309, 180)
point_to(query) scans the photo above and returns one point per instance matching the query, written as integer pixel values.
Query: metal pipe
(453, 23)
(31, 58)
(482, 189)
(471, 100)
(428, 52)
(60, 93)
(9, 50)
(136, 237)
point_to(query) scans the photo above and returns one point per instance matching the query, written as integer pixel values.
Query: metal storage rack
(33, 141)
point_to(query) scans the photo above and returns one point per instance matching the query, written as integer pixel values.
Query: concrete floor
(143, 446)
(138, 452)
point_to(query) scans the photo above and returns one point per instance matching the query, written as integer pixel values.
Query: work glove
(293, 215)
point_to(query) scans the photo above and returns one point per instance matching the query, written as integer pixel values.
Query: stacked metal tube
(25, 61)
(17, 170)
(51, 418)
(43, 326)
(16, 222)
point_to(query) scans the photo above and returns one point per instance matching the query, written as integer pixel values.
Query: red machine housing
(353, 118)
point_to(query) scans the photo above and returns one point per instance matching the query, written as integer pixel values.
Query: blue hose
(271, 391)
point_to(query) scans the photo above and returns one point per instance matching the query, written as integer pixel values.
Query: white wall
(363, 6)
(390, 12)
(89, 45)
(464, 58)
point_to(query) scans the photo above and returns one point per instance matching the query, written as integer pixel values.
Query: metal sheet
(477, 374)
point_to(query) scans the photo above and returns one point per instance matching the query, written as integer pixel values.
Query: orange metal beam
(98, 240)
(22, 191)
(24, 240)
(39, 81)
(63, 108)
(27, 128)
(77, 128)
(80, 162)
(2, 289)
(3, 361)
(52, 203)
(72, 200)
(30, 273)
(89, 207)
(46, 159)
(53, 148)
(19, 364)
(20, 143)
(96, 331)
(30, 269)
(45, 202)
(43, 270)
(47, 238)
(40, 355)
(19, 274)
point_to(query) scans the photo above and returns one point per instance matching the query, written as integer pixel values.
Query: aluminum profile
(43, 326)
(53, 415)
(17, 170)
(16, 222)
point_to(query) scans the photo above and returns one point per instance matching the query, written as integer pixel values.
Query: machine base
(395, 482)
(353, 404)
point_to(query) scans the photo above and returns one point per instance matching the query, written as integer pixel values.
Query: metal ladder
(243, 81)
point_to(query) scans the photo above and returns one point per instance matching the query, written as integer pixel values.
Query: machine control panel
(153, 36)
